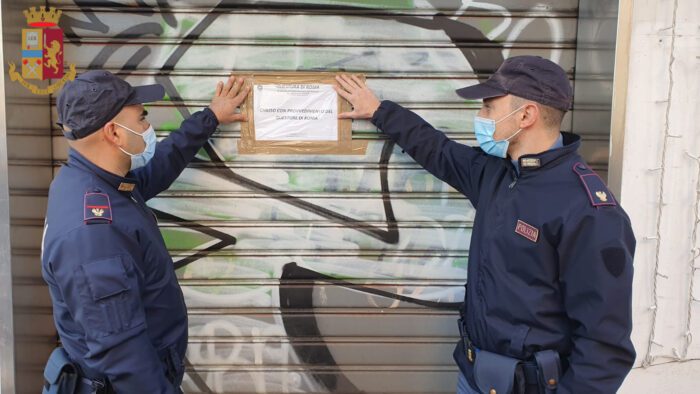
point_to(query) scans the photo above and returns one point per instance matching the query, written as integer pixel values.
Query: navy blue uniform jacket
(550, 258)
(117, 304)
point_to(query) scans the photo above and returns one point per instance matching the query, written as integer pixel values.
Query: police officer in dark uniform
(117, 304)
(548, 300)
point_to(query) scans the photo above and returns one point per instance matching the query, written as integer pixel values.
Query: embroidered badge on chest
(527, 231)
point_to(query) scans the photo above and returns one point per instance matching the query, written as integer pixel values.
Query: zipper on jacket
(511, 169)
(143, 209)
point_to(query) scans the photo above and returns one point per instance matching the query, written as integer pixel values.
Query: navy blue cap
(529, 77)
(94, 98)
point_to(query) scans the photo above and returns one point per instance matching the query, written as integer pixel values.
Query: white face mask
(139, 160)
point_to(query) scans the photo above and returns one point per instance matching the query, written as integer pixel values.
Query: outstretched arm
(457, 164)
(176, 151)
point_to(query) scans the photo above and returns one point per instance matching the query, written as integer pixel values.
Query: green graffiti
(460, 263)
(186, 25)
(305, 181)
(181, 240)
(216, 215)
(173, 122)
(202, 154)
(169, 126)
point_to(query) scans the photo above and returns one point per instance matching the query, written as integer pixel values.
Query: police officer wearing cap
(547, 306)
(117, 304)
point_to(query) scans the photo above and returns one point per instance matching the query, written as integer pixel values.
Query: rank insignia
(598, 193)
(530, 162)
(126, 187)
(97, 208)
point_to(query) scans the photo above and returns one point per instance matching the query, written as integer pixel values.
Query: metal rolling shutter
(315, 273)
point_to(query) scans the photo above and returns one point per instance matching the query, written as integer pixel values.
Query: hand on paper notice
(364, 102)
(227, 98)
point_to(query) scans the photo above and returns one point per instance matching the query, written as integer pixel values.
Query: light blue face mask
(139, 160)
(484, 129)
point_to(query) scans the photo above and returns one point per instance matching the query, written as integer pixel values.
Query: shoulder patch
(598, 193)
(97, 209)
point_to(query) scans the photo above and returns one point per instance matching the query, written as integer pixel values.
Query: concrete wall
(660, 189)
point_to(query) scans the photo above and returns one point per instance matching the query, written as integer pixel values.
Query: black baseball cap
(96, 97)
(530, 77)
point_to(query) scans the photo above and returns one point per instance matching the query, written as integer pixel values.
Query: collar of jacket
(123, 184)
(530, 163)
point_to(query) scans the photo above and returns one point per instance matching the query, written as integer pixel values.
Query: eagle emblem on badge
(98, 212)
(602, 196)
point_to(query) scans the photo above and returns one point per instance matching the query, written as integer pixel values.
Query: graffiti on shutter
(317, 273)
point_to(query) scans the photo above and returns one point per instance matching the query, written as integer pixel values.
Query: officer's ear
(111, 134)
(528, 115)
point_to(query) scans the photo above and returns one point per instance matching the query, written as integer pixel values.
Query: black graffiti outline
(480, 64)
(295, 297)
(390, 235)
(196, 378)
(225, 239)
(294, 271)
(308, 355)
(438, 22)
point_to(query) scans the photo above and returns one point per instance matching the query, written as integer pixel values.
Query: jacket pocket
(113, 290)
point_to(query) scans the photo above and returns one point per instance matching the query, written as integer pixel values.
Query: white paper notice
(295, 112)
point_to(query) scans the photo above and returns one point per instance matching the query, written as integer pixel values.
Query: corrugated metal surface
(28, 144)
(306, 273)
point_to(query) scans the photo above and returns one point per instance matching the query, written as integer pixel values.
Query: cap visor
(480, 91)
(146, 94)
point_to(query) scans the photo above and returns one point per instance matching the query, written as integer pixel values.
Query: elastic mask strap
(519, 130)
(121, 125)
(516, 133)
(120, 148)
(521, 107)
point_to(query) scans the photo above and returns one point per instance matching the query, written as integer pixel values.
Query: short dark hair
(552, 117)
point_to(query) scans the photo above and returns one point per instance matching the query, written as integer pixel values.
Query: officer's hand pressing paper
(227, 98)
(364, 102)
(118, 307)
